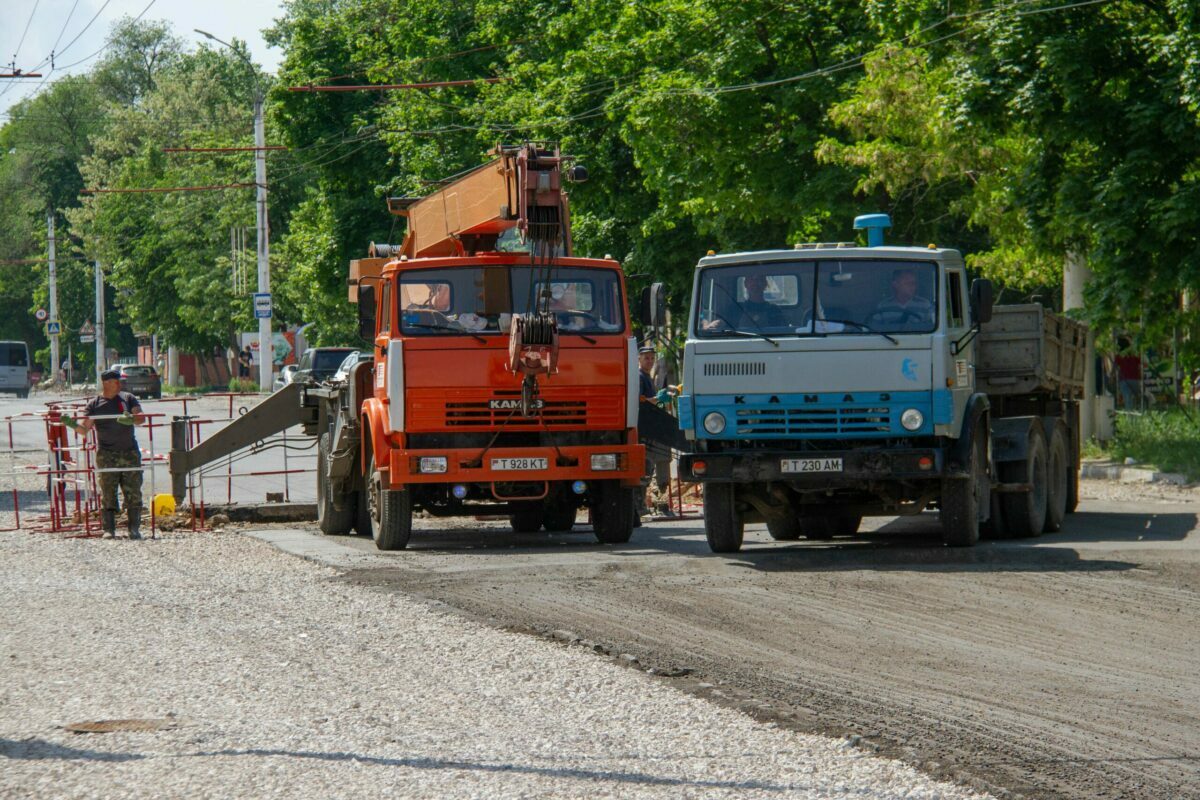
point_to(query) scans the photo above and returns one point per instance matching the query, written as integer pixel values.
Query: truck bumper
(858, 467)
(563, 464)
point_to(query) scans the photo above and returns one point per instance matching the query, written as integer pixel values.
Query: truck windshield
(451, 301)
(820, 297)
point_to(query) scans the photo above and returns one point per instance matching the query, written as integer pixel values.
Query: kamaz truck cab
(833, 381)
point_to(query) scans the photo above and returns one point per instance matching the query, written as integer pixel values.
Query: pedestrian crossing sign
(54, 327)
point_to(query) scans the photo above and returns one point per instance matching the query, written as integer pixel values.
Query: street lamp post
(266, 356)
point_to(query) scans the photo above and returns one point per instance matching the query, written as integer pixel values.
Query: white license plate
(810, 465)
(519, 463)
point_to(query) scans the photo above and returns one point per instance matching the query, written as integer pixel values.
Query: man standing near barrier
(116, 449)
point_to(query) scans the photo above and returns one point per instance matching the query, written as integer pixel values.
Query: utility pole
(266, 355)
(100, 365)
(54, 353)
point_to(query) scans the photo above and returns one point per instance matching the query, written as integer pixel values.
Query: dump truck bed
(1026, 349)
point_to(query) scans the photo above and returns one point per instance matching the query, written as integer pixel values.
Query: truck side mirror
(654, 306)
(981, 301)
(366, 311)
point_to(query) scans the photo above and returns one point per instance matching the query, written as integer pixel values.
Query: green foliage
(242, 385)
(1169, 440)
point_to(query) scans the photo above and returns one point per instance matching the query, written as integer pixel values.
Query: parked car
(283, 377)
(14, 368)
(320, 363)
(141, 380)
(348, 364)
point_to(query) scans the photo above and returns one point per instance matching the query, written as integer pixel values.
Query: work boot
(108, 521)
(135, 522)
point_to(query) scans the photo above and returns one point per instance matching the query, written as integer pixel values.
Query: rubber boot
(135, 522)
(108, 521)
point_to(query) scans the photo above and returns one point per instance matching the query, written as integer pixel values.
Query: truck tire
(963, 498)
(526, 520)
(784, 529)
(613, 514)
(559, 518)
(391, 513)
(994, 528)
(362, 513)
(723, 526)
(331, 521)
(1025, 512)
(1058, 480)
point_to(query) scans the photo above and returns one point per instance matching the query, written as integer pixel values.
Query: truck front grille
(813, 421)
(730, 369)
(564, 408)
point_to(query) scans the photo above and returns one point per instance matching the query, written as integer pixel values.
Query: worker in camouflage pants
(114, 414)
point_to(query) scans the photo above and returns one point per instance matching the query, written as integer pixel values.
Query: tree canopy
(1020, 131)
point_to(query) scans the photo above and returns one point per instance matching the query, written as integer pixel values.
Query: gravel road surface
(1062, 667)
(278, 679)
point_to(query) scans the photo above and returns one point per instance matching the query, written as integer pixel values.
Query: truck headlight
(714, 422)
(912, 420)
(432, 464)
(605, 462)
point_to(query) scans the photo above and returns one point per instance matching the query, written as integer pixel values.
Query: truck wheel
(613, 513)
(963, 498)
(331, 521)
(994, 528)
(391, 513)
(1025, 512)
(784, 529)
(723, 526)
(559, 518)
(362, 513)
(526, 520)
(1058, 480)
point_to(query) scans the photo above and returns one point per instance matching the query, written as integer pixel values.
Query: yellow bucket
(164, 505)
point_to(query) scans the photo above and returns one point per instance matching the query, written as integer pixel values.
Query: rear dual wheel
(332, 521)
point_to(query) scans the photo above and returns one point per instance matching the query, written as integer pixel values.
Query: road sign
(86, 329)
(54, 327)
(40, 315)
(86, 339)
(262, 305)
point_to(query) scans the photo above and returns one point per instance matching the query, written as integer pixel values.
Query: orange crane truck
(504, 379)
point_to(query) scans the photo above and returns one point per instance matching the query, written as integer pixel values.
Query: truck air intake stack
(874, 225)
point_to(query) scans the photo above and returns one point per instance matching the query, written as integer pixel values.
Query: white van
(14, 368)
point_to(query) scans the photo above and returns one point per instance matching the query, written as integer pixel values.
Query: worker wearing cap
(116, 449)
(658, 458)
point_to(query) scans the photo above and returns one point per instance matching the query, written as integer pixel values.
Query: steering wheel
(905, 315)
(591, 318)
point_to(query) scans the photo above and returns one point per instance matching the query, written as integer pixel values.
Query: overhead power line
(391, 86)
(148, 190)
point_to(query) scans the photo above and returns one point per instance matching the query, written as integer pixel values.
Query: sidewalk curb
(1123, 474)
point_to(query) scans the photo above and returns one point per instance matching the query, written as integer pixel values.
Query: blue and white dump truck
(830, 382)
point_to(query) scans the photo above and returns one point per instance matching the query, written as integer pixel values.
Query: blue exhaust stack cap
(874, 224)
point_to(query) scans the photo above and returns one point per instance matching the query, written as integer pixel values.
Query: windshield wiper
(866, 328)
(739, 332)
(464, 331)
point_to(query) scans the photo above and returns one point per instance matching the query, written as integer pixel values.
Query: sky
(61, 21)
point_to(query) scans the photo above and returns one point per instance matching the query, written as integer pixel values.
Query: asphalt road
(1063, 667)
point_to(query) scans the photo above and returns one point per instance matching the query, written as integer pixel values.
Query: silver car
(140, 380)
(14, 368)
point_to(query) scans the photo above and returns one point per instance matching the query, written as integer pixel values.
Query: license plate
(519, 463)
(810, 465)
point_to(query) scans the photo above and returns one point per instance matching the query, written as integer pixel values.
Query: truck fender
(374, 439)
(977, 408)
(1010, 437)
